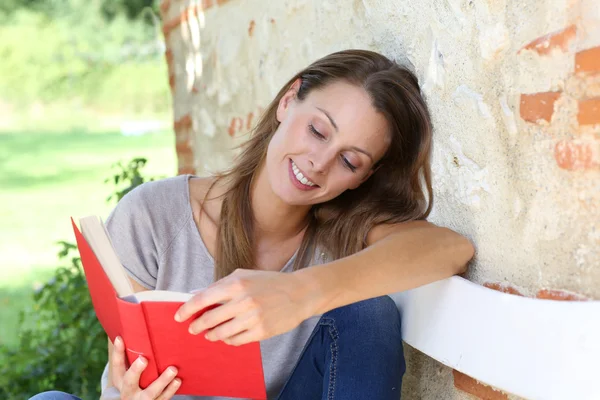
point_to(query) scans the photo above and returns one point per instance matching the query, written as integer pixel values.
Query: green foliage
(66, 347)
(63, 347)
(110, 8)
(127, 177)
(79, 52)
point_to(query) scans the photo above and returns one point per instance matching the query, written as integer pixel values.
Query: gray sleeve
(131, 231)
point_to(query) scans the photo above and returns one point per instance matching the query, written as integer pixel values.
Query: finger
(118, 366)
(231, 327)
(131, 380)
(219, 315)
(170, 390)
(208, 297)
(245, 337)
(161, 383)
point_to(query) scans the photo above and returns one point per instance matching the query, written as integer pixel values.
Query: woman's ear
(287, 99)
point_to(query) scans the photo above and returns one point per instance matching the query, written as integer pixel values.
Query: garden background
(83, 86)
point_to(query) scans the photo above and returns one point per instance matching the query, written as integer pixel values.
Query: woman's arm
(256, 305)
(398, 257)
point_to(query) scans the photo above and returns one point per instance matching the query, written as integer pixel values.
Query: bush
(65, 346)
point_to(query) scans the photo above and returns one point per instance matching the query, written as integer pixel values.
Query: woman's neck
(275, 221)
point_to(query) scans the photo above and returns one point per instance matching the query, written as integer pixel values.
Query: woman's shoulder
(157, 205)
(167, 193)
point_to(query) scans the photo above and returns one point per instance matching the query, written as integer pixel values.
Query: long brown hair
(394, 193)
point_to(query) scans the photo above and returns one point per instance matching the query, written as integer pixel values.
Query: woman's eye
(315, 132)
(345, 161)
(348, 165)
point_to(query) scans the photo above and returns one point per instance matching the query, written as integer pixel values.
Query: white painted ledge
(534, 348)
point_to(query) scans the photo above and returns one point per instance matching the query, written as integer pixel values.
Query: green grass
(45, 178)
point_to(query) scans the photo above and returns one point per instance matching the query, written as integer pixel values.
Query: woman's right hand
(128, 380)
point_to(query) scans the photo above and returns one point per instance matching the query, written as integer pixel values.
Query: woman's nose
(321, 163)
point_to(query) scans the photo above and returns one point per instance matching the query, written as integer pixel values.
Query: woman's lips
(295, 180)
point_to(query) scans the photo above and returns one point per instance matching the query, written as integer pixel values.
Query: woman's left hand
(254, 305)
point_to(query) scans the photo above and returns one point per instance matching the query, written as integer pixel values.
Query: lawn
(47, 177)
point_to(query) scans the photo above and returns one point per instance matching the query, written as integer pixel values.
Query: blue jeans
(354, 353)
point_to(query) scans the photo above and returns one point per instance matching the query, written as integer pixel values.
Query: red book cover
(205, 368)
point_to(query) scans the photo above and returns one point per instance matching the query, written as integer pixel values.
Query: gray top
(156, 238)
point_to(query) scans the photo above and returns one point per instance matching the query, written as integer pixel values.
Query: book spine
(137, 341)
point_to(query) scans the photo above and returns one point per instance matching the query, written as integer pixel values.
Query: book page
(94, 231)
(158, 295)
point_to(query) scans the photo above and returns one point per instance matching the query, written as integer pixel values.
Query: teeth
(301, 177)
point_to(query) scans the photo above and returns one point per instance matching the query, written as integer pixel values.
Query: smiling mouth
(299, 176)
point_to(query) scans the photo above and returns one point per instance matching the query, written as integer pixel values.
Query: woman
(336, 176)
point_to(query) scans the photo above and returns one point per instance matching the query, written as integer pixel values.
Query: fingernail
(177, 381)
(177, 317)
(207, 337)
(192, 330)
(172, 371)
(141, 361)
(118, 341)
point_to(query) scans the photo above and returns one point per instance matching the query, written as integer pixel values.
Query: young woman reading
(322, 215)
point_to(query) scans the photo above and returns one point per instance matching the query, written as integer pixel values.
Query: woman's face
(324, 145)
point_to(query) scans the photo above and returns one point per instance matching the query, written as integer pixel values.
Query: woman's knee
(54, 395)
(379, 314)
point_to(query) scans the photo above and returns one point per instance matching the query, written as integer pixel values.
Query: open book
(145, 321)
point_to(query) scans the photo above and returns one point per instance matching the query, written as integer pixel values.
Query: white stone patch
(493, 35)
(190, 72)
(464, 96)
(223, 95)
(455, 7)
(584, 254)
(517, 206)
(294, 5)
(434, 75)
(509, 119)
(206, 124)
(457, 176)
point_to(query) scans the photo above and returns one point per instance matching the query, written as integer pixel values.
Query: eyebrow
(337, 130)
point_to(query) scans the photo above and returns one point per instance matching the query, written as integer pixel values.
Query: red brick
(571, 155)
(172, 82)
(536, 106)
(184, 122)
(186, 170)
(183, 148)
(169, 57)
(589, 111)
(470, 385)
(249, 120)
(588, 60)
(560, 295)
(185, 158)
(502, 287)
(251, 28)
(191, 11)
(553, 40)
(165, 5)
(235, 125)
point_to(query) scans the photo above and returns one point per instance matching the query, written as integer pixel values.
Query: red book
(147, 327)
